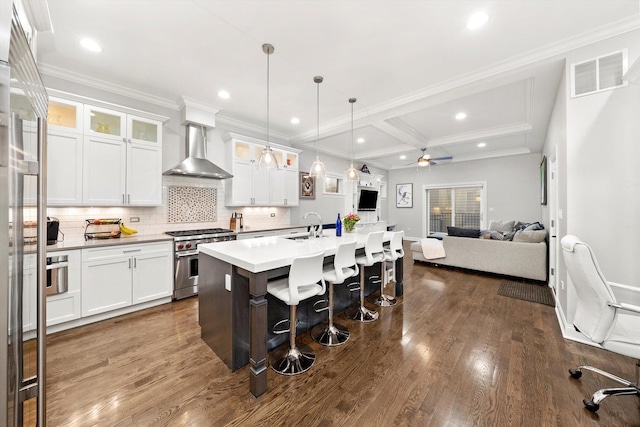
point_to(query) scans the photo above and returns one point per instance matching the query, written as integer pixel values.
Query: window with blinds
(598, 74)
(453, 206)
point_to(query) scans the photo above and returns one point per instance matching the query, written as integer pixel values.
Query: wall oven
(186, 257)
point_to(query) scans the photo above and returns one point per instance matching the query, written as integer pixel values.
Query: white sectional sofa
(518, 259)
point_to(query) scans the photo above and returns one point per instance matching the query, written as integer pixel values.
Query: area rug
(540, 294)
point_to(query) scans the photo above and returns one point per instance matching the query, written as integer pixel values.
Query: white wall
(328, 205)
(603, 182)
(512, 185)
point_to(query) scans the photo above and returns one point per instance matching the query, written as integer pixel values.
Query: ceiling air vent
(598, 74)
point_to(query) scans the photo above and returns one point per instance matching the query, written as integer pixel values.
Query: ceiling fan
(427, 160)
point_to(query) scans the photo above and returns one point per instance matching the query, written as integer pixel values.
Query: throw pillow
(463, 232)
(485, 234)
(534, 226)
(531, 236)
(502, 226)
(497, 235)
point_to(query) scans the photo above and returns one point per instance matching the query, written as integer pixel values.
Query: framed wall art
(307, 186)
(404, 195)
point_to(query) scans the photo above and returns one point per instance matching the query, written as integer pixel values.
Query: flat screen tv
(367, 200)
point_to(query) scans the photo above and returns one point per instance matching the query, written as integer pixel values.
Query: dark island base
(231, 319)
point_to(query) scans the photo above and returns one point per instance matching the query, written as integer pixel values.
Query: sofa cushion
(502, 226)
(463, 232)
(530, 236)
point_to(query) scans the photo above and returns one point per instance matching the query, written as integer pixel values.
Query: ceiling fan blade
(443, 158)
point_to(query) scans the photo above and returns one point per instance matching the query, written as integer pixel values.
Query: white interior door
(553, 224)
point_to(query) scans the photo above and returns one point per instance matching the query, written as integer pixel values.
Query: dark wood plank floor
(451, 353)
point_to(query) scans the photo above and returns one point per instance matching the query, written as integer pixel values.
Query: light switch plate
(227, 282)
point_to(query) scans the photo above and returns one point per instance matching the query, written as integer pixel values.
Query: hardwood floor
(451, 353)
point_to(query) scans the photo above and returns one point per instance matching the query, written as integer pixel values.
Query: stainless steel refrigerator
(23, 112)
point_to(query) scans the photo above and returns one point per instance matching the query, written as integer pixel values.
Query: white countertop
(93, 243)
(268, 253)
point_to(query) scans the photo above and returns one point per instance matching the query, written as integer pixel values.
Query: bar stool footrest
(330, 335)
(291, 361)
(361, 314)
(383, 300)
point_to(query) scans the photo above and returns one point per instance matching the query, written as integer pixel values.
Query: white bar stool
(394, 252)
(344, 267)
(302, 283)
(374, 253)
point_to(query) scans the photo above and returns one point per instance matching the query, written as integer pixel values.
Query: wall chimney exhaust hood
(196, 118)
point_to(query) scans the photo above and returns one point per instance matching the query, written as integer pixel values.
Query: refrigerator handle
(42, 268)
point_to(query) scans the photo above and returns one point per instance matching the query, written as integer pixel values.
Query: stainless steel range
(185, 248)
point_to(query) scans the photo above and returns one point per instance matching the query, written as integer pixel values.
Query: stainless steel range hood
(196, 163)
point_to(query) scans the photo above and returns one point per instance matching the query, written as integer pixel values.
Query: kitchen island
(233, 305)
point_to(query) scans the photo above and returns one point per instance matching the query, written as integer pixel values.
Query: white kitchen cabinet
(153, 274)
(123, 275)
(64, 152)
(104, 174)
(65, 307)
(65, 116)
(251, 186)
(64, 168)
(122, 159)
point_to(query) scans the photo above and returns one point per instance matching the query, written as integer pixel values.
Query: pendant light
(317, 168)
(352, 173)
(267, 158)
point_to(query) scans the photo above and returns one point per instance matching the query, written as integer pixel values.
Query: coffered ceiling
(412, 65)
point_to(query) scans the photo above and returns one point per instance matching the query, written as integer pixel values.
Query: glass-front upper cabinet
(144, 130)
(64, 115)
(103, 122)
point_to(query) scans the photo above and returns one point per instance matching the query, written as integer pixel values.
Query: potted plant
(349, 222)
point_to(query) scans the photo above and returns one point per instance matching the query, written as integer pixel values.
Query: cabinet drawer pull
(135, 262)
(129, 262)
(131, 250)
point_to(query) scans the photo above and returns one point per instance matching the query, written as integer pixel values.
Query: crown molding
(513, 129)
(547, 52)
(93, 82)
(250, 127)
(483, 156)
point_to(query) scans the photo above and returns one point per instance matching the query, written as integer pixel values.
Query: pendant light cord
(268, 55)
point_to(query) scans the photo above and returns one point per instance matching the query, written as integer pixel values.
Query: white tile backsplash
(155, 220)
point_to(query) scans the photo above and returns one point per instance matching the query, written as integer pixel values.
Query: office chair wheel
(593, 407)
(575, 374)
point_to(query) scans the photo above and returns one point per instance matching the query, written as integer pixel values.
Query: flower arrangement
(349, 222)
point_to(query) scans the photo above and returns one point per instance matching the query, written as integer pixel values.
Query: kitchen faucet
(314, 231)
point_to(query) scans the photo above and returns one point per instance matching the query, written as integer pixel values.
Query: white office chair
(601, 318)
(391, 254)
(302, 283)
(344, 267)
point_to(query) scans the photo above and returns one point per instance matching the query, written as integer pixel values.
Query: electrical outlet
(134, 219)
(273, 214)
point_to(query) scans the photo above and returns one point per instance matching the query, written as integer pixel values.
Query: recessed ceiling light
(295, 120)
(461, 116)
(403, 157)
(482, 144)
(360, 140)
(91, 45)
(477, 20)
(223, 94)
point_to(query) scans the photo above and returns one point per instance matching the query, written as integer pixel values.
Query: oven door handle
(185, 254)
